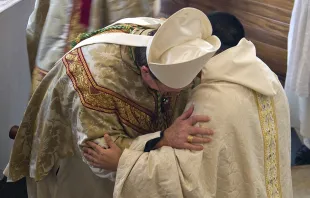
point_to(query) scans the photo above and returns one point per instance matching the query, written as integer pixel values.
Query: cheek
(153, 86)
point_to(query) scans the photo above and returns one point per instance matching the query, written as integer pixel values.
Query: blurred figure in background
(165, 8)
(297, 85)
(54, 24)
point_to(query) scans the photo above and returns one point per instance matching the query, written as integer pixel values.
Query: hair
(140, 55)
(227, 28)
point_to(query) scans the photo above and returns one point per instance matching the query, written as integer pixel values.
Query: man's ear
(147, 77)
(144, 70)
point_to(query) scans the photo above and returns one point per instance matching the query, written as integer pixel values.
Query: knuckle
(181, 124)
(206, 141)
(209, 132)
(204, 130)
(192, 147)
(183, 136)
(195, 117)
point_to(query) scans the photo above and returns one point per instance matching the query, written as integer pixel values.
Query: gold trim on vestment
(37, 76)
(268, 122)
(102, 99)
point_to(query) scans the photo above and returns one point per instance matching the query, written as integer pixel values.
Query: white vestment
(297, 85)
(250, 152)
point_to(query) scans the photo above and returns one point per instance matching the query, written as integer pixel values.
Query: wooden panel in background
(250, 6)
(269, 25)
(266, 37)
(284, 4)
(246, 18)
(274, 57)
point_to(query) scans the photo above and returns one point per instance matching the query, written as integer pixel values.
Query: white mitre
(181, 47)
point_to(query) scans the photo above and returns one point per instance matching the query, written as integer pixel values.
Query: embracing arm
(165, 172)
(91, 126)
(169, 172)
(176, 136)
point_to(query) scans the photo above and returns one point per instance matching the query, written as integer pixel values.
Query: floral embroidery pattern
(102, 99)
(269, 127)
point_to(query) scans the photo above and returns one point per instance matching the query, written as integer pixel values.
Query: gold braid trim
(101, 99)
(268, 121)
(37, 76)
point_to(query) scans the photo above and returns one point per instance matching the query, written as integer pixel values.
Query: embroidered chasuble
(91, 91)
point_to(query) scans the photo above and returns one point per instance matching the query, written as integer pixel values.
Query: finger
(109, 141)
(187, 113)
(90, 158)
(198, 118)
(193, 147)
(95, 165)
(201, 131)
(201, 140)
(96, 147)
(90, 152)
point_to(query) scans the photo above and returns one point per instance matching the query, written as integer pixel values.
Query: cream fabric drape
(297, 85)
(250, 153)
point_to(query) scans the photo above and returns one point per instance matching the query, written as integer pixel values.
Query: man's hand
(99, 157)
(177, 135)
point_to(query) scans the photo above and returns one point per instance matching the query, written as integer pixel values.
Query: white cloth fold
(241, 66)
(248, 110)
(298, 68)
(297, 84)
